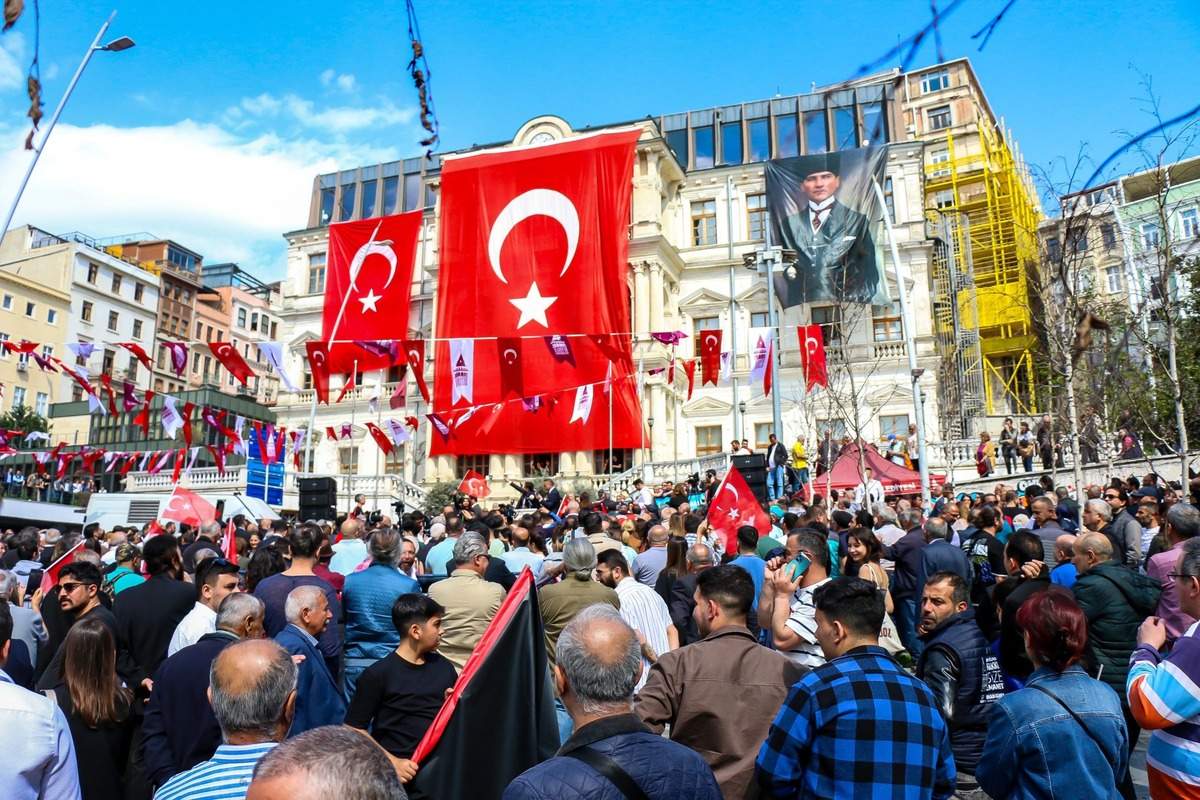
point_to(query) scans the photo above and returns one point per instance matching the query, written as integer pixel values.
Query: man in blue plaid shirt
(858, 726)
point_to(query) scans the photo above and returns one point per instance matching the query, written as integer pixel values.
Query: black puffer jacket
(1116, 601)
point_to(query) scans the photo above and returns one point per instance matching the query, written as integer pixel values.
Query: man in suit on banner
(835, 255)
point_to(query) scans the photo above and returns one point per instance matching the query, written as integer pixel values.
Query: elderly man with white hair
(469, 600)
(318, 699)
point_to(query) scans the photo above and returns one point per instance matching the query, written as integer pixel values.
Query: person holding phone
(786, 607)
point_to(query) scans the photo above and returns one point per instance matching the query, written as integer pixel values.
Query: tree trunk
(1177, 397)
(1073, 431)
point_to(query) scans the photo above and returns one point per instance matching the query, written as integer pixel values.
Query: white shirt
(803, 623)
(198, 622)
(868, 494)
(818, 213)
(888, 535)
(39, 754)
(644, 497)
(645, 612)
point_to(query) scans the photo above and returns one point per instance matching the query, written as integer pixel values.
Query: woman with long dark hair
(97, 707)
(265, 562)
(863, 551)
(675, 569)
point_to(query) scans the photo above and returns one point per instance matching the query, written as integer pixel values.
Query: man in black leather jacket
(959, 667)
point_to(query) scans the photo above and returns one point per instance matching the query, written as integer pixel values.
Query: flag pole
(379, 470)
(308, 441)
(353, 462)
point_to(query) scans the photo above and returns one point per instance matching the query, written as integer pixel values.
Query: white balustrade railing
(199, 479)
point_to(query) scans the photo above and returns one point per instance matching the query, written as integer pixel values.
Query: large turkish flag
(733, 506)
(534, 243)
(368, 281)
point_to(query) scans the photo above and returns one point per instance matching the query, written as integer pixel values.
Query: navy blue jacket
(662, 768)
(906, 552)
(318, 699)
(180, 729)
(941, 556)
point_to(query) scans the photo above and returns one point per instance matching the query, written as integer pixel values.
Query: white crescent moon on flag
(372, 247)
(507, 360)
(318, 358)
(413, 355)
(733, 489)
(710, 340)
(535, 202)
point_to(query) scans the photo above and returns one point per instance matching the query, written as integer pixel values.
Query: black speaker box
(327, 512)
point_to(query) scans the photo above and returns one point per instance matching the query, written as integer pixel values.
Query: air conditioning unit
(22, 365)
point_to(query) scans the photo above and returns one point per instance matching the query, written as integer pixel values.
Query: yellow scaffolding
(982, 179)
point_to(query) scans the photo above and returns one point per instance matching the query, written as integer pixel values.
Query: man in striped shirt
(252, 686)
(641, 608)
(1164, 693)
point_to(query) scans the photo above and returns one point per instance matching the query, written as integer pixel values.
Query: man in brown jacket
(720, 694)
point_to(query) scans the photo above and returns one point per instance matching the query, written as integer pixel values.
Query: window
(207, 367)
(830, 320)
(756, 216)
(704, 222)
(326, 206)
(935, 81)
(1149, 235)
(787, 136)
(430, 195)
(678, 142)
(81, 361)
(1108, 232)
(132, 366)
(731, 142)
(195, 362)
(1113, 279)
(116, 284)
(348, 460)
(412, 191)
(30, 310)
(93, 272)
(209, 334)
(704, 147)
(47, 351)
(540, 465)
(761, 431)
(241, 318)
(836, 426)
(760, 140)
(704, 324)
(1077, 240)
(939, 118)
(394, 462)
(480, 462)
(886, 323)
(107, 364)
(1189, 223)
(390, 194)
(76, 392)
(349, 195)
(1053, 250)
(112, 320)
(874, 123)
(139, 289)
(708, 440)
(894, 424)
(889, 198)
(51, 316)
(368, 203)
(18, 396)
(3, 350)
(8, 301)
(937, 157)
(760, 319)
(943, 198)
(254, 321)
(815, 140)
(845, 130)
(316, 274)
(137, 329)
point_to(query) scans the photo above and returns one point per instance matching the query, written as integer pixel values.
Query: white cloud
(226, 196)
(346, 82)
(335, 120)
(12, 58)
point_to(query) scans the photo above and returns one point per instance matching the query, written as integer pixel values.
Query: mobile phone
(797, 566)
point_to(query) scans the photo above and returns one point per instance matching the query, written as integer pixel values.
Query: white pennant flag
(583, 403)
(273, 352)
(240, 447)
(399, 431)
(192, 460)
(33, 436)
(95, 404)
(462, 370)
(110, 459)
(760, 351)
(172, 420)
(726, 361)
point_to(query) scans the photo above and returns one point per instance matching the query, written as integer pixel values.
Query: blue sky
(212, 128)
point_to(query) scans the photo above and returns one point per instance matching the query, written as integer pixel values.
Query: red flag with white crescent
(318, 363)
(475, 485)
(229, 543)
(689, 367)
(533, 242)
(812, 356)
(187, 507)
(227, 353)
(50, 574)
(367, 286)
(415, 354)
(381, 438)
(710, 357)
(733, 506)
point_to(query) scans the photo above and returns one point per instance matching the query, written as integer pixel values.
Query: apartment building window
(47, 351)
(195, 362)
(1150, 235)
(76, 392)
(241, 318)
(8, 302)
(760, 319)
(939, 118)
(112, 320)
(3, 349)
(81, 361)
(30, 310)
(316, 273)
(368, 201)
(161, 360)
(348, 460)
(538, 464)
(51, 316)
(1189, 223)
(886, 323)
(937, 157)
(326, 205)
(874, 123)
(18, 396)
(762, 432)
(894, 425)
(787, 136)
(390, 185)
(209, 333)
(412, 191)
(708, 440)
(704, 147)
(137, 329)
(139, 290)
(1078, 240)
(109, 362)
(935, 81)
(199, 330)
(943, 198)
(132, 366)
(830, 320)
(704, 222)
(677, 140)
(731, 142)
(845, 128)
(756, 216)
(1108, 233)
(760, 140)
(93, 272)
(815, 138)
(116, 284)
(701, 324)
(349, 195)
(1053, 250)
(1113, 279)
(254, 322)
(274, 329)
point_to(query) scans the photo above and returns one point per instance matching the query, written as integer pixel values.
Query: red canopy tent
(896, 479)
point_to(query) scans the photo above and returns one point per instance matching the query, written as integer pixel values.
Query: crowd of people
(1002, 644)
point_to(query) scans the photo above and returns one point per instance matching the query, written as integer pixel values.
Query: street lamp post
(768, 261)
(115, 46)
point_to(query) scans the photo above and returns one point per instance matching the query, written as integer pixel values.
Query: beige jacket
(470, 604)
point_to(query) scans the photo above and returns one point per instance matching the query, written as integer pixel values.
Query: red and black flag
(499, 717)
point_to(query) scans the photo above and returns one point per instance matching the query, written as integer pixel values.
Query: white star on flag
(533, 307)
(369, 300)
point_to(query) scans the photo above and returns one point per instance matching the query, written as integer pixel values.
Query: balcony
(201, 479)
(372, 486)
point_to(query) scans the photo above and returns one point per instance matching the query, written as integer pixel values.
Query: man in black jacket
(79, 596)
(907, 553)
(682, 600)
(960, 669)
(1023, 548)
(180, 729)
(148, 613)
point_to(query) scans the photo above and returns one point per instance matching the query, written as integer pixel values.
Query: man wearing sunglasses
(78, 597)
(216, 579)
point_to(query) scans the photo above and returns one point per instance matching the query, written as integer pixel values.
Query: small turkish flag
(415, 354)
(812, 356)
(475, 485)
(689, 367)
(189, 508)
(318, 362)
(381, 438)
(232, 360)
(733, 506)
(367, 285)
(50, 574)
(331, 433)
(229, 543)
(511, 366)
(139, 353)
(710, 356)
(399, 398)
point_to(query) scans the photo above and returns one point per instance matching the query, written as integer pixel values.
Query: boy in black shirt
(397, 697)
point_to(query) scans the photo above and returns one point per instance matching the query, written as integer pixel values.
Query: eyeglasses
(67, 588)
(1181, 576)
(1112, 497)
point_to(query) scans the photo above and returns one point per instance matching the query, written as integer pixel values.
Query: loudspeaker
(318, 512)
(754, 470)
(318, 498)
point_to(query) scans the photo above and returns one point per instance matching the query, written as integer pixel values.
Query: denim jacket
(1035, 749)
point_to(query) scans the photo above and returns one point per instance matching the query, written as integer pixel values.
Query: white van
(139, 508)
